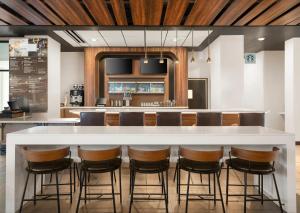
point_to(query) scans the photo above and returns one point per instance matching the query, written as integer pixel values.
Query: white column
(227, 72)
(292, 87)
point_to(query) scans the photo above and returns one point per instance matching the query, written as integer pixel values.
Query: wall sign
(250, 58)
(28, 78)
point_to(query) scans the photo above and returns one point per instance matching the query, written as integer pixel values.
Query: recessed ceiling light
(94, 39)
(261, 39)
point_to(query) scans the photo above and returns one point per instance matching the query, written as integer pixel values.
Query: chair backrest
(149, 155)
(131, 118)
(99, 155)
(256, 156)
(32, 155)
(209, 119)
(92, 119)
(168, 118)
(201, 156)
(252, 119)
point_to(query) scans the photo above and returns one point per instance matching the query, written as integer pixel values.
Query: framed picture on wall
(198, 93)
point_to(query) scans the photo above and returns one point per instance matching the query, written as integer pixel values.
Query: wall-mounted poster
(28, 73)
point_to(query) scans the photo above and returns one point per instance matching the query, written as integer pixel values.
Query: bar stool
(98, 161)
(41, 162)
(253, 162)
(209, 119)
(200, 162)
(149, 161)
(168, 118)
(92, 119)
(131, 118)
(252, 119)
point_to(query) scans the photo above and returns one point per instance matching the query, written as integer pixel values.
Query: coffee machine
(77, 95)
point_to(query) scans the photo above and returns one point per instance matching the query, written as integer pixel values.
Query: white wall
(292, 87)
(4, 89)
(72, 72)
(200, 68)
(227, 72)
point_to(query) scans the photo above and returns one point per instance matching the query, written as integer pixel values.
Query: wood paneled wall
(91, 69)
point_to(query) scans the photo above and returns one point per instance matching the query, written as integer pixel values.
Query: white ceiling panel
(153, 37)
(67, 38)
(92, 38)
(171, 38)
(114, 38)
(199, 37)
(134, 38)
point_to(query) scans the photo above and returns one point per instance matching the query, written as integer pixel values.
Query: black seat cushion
(250, 166)
(50, 166)
(150, 167)
(198, 167)
(101, 166)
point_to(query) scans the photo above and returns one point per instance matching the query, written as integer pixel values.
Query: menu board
(28, 82)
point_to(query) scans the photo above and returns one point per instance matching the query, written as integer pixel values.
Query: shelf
(139, 93)
(139, 87)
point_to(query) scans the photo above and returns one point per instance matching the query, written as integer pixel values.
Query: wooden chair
(41, 162)
(168, 118)
(131, 118)
(209, 119)
(149, 161)
(200, 162)
(253, 162)
(99, 161)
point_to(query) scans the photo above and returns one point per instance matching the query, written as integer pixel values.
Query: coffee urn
(77, 95)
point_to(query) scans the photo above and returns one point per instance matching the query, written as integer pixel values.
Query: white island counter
(252, 137)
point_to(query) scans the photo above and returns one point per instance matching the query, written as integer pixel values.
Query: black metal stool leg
(42, 183)
(50, 180)
(215, 201)
(179, 184)
(245, 192)
(162, 186)
(113, 190)
(209, 190)
(164, 191)
(132, 190)
(24, 192)
(175, 172)
(201, 178)
(57, 193)
(221, 196)
(71, 184)
(74, 176)
(85, 186)
(227, 183)
(259, 184)
(167, 185)
(187, 193)
(81, 179)
(115, 177)
(34, 190)
(120, 184)
(262, 190)
(277, 191)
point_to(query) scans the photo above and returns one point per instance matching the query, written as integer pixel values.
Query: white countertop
(38, 119)
(155, 109)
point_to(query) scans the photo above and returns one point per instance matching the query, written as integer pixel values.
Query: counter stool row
(148, 160)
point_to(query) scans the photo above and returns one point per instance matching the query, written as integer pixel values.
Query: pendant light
(145, 48)
(193, 58)
(208, 60)
(176, 61)
(161, 60)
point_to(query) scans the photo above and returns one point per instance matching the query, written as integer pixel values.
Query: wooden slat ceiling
(150, 12)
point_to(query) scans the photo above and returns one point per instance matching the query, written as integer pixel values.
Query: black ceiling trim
(87, 11)
(221, 12)
(187, 12)
(297, 5)
(8, 9)
(111, 12)
(246, 12)
(50, 8)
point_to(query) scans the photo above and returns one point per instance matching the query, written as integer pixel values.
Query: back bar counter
(188, 116)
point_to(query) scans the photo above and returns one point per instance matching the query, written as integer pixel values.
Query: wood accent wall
(91, 67)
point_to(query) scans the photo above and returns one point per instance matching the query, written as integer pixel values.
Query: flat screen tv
(153, 67)
(118, 66)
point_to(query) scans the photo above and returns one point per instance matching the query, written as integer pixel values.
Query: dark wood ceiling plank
(263, 5)
(204, 12)
(175, 11)
(146, 12)
(234, 11)
(99, 11)
(119, 11)
(27, 12)
(288, 17)
(10, 18)
(42, 8)
(273, 12)
(71, 11)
